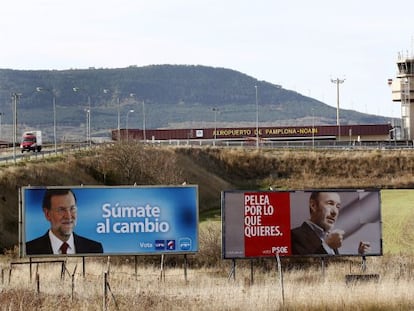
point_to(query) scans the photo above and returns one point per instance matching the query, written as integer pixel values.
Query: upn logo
(159, 244)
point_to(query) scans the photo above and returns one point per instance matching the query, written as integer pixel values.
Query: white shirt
(57, 243)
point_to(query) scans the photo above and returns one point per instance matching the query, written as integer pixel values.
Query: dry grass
(305, 168)
(208, 284)
(397, 215)
(210, 289)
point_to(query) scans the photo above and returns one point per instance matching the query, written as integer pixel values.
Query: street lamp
(15, 98)
(143, 121)
(88, 124)
(41, 89)
(338, 81)
(106, 91)
(127, 131)
(88, 120)
(313, 129)
(215, 125)
(1, 115)
(143, 117)
(257, 120)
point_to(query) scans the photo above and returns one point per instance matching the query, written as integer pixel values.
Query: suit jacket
(306, 242)
(42, 245)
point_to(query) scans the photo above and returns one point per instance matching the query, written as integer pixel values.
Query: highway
(10, 156)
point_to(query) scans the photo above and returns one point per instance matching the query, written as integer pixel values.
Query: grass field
(209, 288)
(398, 218)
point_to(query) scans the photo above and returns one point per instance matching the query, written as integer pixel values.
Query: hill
(160, 95)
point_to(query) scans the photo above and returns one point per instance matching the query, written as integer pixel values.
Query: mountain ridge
(164, 96)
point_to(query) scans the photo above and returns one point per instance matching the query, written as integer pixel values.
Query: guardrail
(279, 144)
(8, 156)
(12, 156)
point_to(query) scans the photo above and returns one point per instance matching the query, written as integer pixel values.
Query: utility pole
(338, 81)
(215, 110)
(15, 99)
(257, 120)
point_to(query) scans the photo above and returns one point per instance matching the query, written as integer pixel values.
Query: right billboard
(332, 222)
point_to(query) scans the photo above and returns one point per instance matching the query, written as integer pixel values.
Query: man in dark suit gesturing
(316, 235)
(59, 207)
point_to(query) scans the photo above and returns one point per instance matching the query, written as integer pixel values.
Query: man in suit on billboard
(316, 235)
(60, 209)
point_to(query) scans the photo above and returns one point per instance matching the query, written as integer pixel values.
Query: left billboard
(109, 220)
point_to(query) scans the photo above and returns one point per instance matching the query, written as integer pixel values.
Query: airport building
(403, 92)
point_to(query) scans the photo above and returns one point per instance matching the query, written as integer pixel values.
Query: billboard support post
(364, 264)
(62, 270)
(105, 291)
(73, 284)
(37, 281)
(323, 266)
(83, 266)
(233, 270)
(108, 264)
(279, 267)
(185, 268)
(162, 273)
(136, 266)
(251, 272)
(30, 268)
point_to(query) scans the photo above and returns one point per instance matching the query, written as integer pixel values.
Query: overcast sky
(299, 44)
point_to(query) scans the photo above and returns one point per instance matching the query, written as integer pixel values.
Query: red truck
(31, 141)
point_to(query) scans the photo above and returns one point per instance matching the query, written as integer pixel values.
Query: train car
(360, 133)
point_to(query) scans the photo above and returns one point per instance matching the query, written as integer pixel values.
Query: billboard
(109, 220)
(301, 223)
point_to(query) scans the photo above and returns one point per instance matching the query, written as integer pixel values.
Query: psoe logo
(170, 245)
(159, 244)
(185, 244)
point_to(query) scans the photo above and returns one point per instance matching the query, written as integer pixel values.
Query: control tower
(403, 91)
